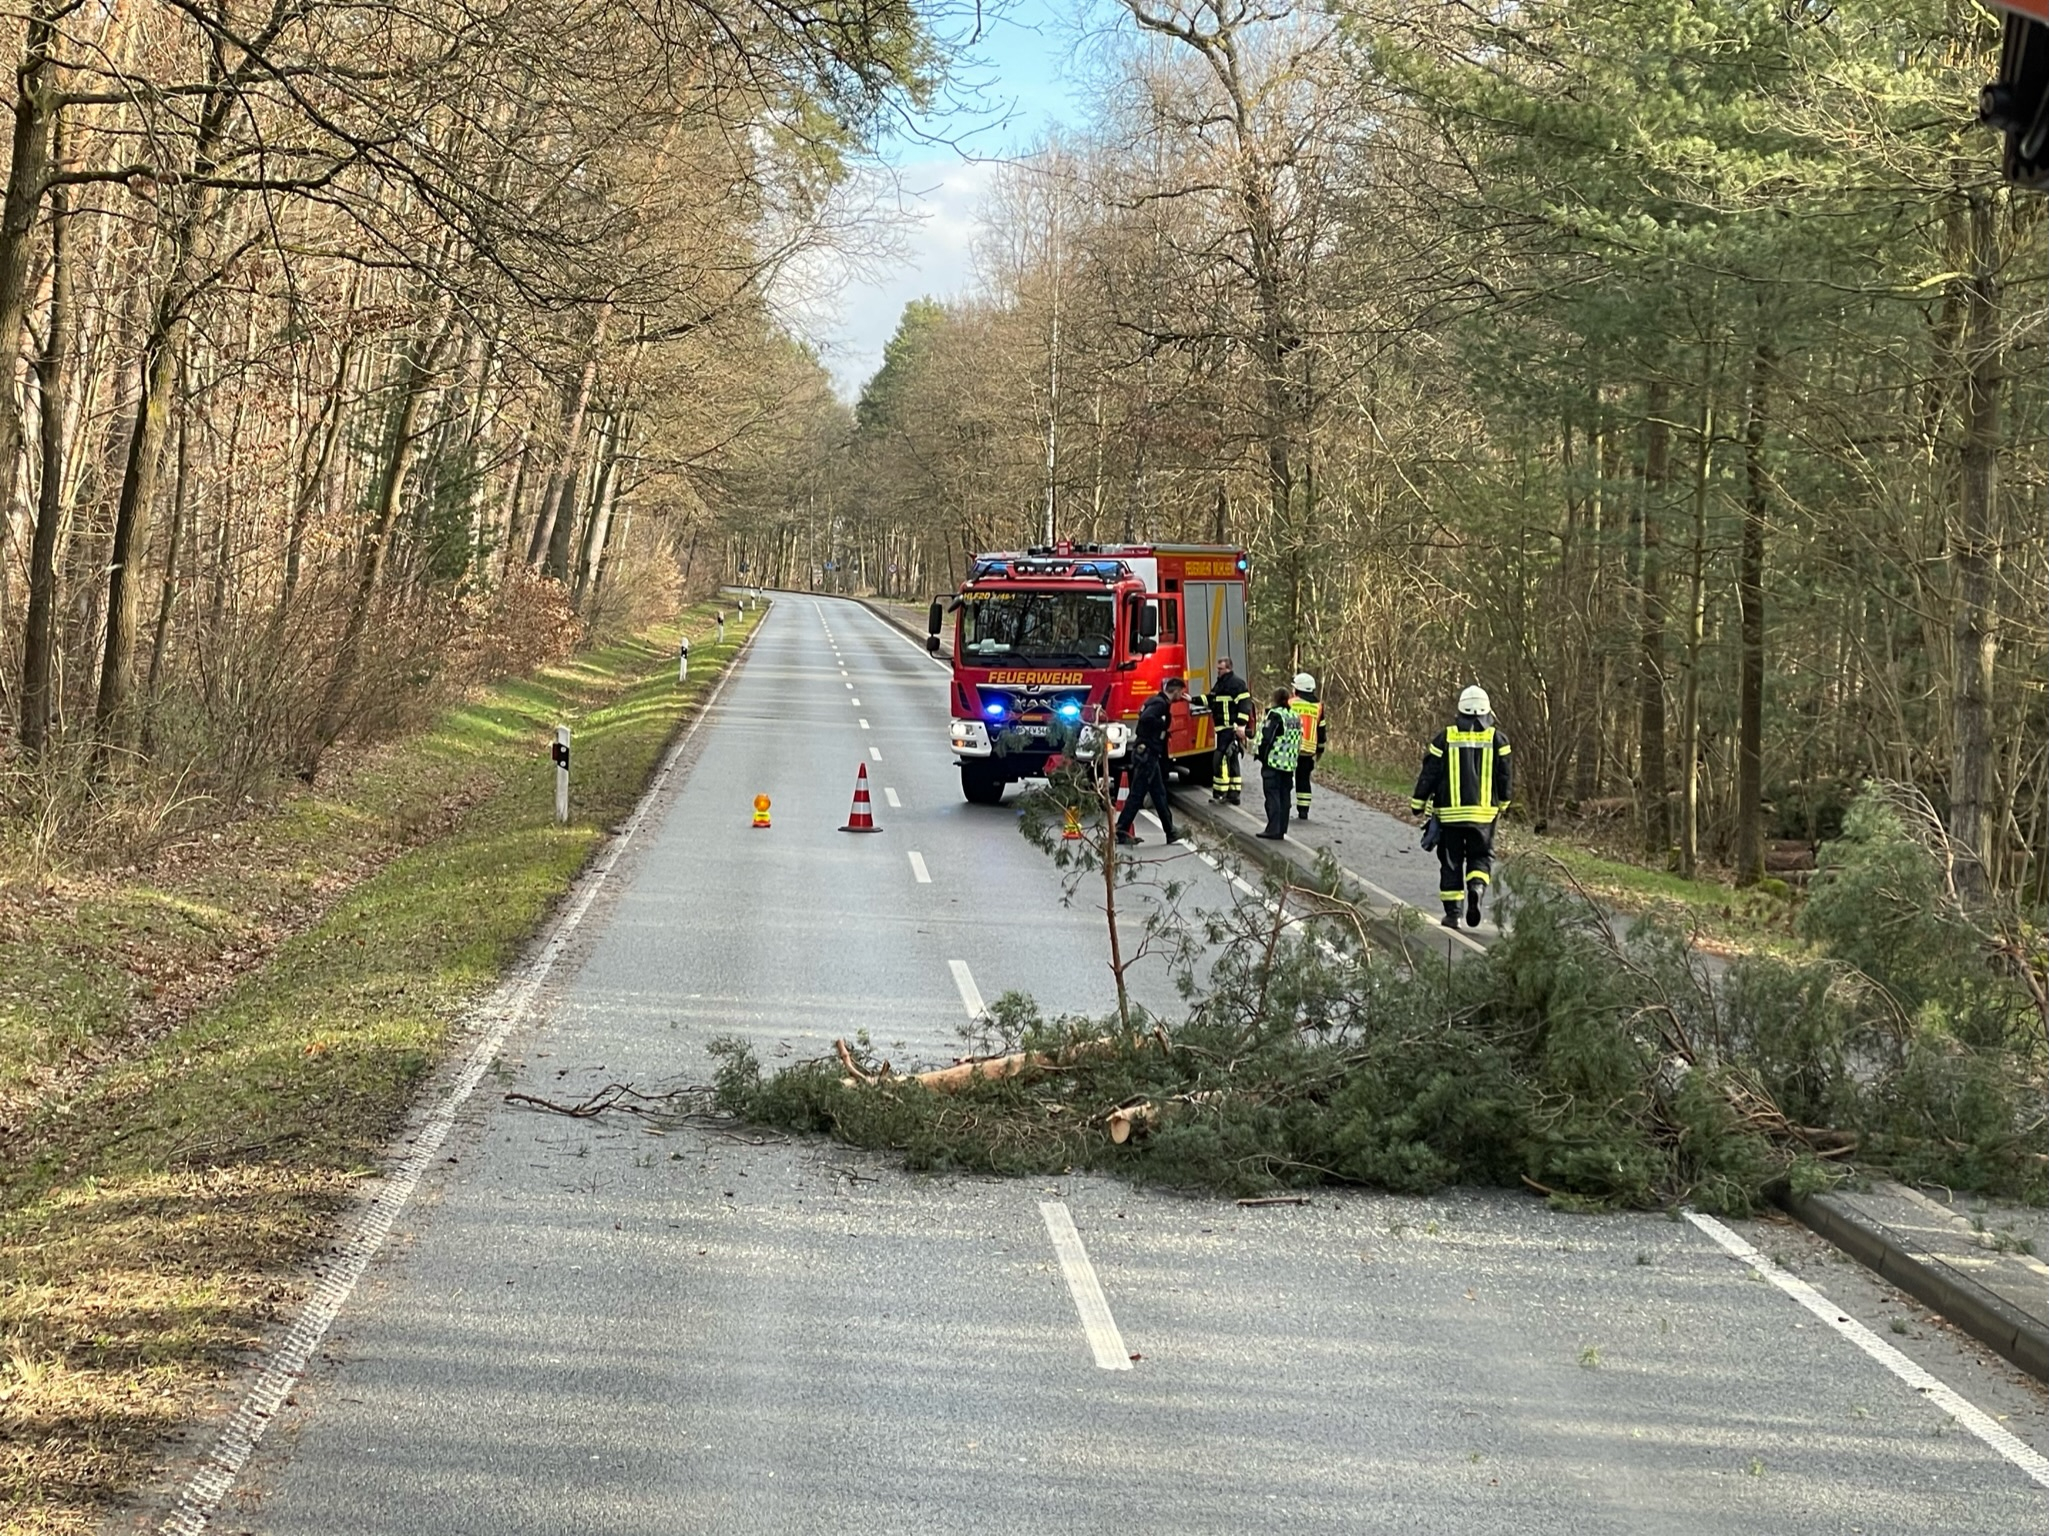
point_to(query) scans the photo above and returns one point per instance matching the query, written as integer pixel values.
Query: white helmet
(1304, 683)
(1474, 701)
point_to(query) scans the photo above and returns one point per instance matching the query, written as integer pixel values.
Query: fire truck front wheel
(982, 783)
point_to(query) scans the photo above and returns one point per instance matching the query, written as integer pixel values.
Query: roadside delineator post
(863, 817)
(683, 659)
(760, 813)
(561, 756)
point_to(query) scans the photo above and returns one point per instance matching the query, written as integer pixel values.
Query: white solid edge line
(903, 635)
(970, 994)
(506, 1009)
(1975, 1419)
(890, 795)
(1380, 893)
(1089, 1301)
(918, 869)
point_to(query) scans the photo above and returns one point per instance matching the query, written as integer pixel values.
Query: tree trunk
(53, 379)
(326, 436)
(35, 111)
(1650, 674)
(1750, 602)
(554, 534)
(167, 594)
(415, 373)
(590, 562)
(1696, 637)
(1975, 622)
(114, 716)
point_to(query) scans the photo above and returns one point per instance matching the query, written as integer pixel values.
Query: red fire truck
(1080, 636)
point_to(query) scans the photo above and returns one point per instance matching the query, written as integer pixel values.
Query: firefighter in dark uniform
(1315, 737)
(1465, 782)
(1149, 763)
(1278, 749)
(1230, 711)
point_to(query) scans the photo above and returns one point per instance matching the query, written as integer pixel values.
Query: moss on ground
(162, 1189)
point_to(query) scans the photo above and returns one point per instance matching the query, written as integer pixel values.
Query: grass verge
(156, 1209)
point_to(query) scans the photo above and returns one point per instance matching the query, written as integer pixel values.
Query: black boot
(1473, 889)
(1450, 918)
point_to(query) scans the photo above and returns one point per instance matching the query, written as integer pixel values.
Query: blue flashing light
(1069, 709)
(1241, 562)
(993, 709)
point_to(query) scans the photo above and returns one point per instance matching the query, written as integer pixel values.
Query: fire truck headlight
(971, 738)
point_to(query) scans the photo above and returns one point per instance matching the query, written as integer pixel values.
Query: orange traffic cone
(760, 812)
(1071, 833)
(862, 819)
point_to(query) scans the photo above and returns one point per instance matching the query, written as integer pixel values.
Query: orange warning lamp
(1071, 833)
(760, 811)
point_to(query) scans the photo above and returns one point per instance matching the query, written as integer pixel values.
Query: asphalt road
(585, 1327)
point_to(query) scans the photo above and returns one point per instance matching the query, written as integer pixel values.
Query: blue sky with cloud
(1019, 81)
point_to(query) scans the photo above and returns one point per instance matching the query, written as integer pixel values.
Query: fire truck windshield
(1037, 626)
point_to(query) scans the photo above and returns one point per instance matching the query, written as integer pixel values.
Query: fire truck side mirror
(933, 620)
(1149, 622)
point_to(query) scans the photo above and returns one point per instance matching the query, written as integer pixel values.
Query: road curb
(1991, 1319)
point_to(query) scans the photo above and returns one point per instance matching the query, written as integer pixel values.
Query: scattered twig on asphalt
(676, 1104)
(1276, 1200)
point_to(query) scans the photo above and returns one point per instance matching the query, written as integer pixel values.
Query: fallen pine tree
(1597, 1070)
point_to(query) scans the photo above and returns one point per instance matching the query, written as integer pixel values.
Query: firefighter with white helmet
(1465, 784)
(1315, 737)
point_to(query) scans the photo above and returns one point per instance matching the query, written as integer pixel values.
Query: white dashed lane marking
(970, 994)
(1096, 1321)
(890, 795)
(918, 869)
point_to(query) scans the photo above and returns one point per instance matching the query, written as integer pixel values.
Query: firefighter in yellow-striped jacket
(1465, 784)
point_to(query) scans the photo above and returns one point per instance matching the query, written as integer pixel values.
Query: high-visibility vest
(1286, 750)
(1464, 800)
(1310, 713)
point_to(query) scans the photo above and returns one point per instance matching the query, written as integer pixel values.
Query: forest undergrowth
(1599, 1069)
